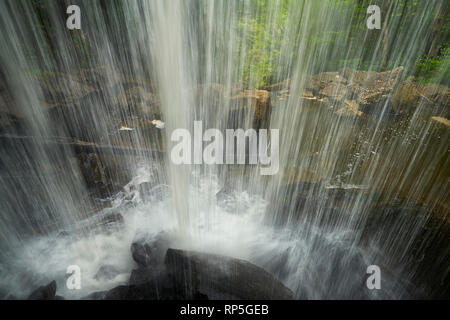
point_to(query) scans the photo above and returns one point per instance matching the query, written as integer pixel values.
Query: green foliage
(261, 40)
(338, 37)
(435, 69)
(319, 35)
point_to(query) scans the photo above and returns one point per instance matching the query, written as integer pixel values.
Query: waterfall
(363, 173)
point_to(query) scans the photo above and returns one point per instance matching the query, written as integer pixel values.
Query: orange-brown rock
(252, 103)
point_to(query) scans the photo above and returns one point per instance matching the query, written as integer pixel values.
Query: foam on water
(301, 262)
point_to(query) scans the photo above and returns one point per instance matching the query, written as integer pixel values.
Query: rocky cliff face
(361, 93)
(101, 108)
(382, 107)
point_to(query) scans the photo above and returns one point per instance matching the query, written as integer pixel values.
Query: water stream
(351, 191)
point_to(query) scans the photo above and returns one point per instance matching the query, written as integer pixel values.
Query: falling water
(368, 188)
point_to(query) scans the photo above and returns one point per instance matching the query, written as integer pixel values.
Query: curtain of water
(198, 55)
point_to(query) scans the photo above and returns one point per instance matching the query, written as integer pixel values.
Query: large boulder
(194, 275)
(325, 82)
(46, 292)
(138, 101)
(97, 78)
(92, 104)
(107, 272)
(441, 121)
(220, 277)
(93, 169)
(249, 105)
(61, 88)
(352, 92)
(149, 250)
(350, 108)
(371, 89)
(283, 85)
(212, 94)
(411, 94)
(9, 123)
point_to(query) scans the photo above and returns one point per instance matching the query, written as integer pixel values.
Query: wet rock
(142, 275)
(392, 217)
(9, 123)
(117, 293)
(158, 193)
(211, 93)
(5, 295)
(340, 270)
(102, 175)
(84, 117)
(224, 194)
(441, 121)
(427, 251)
(107, 272)
(46, 292)
(141, 252)
(146, 291)
(228, 199)
(249, 104)
(99, 295)
(110, 218)
(61, 87)
(149, 250)
(334, 91)
(6, 99)
(283, 85)
(130, 81)
(351, 109)
(63, 234)
(353, 92)
(312, 104)
(319, 82)
(97, 78)
(93, 169)
(371, 89)
(156, 285)
(158, 289)
(221, 277)
(107, 221)
(150, 191)
(146, 186)
(139, 101)
(193, 275)
(412, 94)
(324, 89)
(290, 201)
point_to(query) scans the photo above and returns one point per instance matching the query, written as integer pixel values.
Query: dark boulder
(251, 105)
(98, 295)
(152, 192)
(158, 286)
(221, 277)
(334, 271)
(111, 218)
(107, 272)
(149, 250)
(188, 275)
(6, 295)
(104, 222)
(411, 94)
(227, 199)
(142, 275)
(46, 292)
